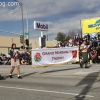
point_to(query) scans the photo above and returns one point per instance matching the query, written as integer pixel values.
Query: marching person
(84, 52)
(14, 61)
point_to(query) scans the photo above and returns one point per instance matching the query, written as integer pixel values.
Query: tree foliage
(68, 38)
(60, 36)
(71, 33)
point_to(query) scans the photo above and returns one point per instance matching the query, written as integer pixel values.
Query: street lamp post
(21, 5)
(27, 24)
(27, 29)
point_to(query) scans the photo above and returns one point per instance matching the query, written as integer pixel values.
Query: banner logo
(37, 57)
(74, 53)
(97, 23)
(42, 26)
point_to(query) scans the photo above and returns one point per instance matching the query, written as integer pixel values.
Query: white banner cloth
(43, 57)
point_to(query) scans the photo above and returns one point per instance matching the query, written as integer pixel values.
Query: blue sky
(61, 15)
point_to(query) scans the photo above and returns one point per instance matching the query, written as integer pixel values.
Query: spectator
(94, 42)
(95, 57)
(58, 45)
(23, 62)
(88, 37)
(70, 42)
(98, 58)
(0, 61)
(4, 61)
(75, 38)
(26, 56)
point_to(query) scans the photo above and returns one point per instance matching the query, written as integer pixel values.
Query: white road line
(81, 72)
(46, 91)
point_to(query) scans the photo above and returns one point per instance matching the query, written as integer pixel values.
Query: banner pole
(79, 43)
(41, 33)
(81, 28)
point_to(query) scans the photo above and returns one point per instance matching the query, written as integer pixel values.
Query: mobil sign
(42, 26)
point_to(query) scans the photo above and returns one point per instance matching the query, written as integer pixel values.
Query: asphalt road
(66, 82)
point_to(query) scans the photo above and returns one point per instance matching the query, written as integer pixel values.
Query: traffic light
(21, 38)
(43, 42)
(22, 47)
(27, 48)
(27, 42)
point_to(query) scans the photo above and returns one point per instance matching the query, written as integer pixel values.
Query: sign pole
(41, 37)
(41, 26)
(81, 28)
(41, 33)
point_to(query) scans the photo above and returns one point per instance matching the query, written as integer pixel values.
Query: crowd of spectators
(92, 42)
(25, 58)
(71, 42)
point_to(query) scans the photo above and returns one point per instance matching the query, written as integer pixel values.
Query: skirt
(13, 63)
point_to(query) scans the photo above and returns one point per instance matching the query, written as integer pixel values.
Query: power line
(10, 32)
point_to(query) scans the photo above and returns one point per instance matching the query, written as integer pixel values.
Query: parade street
(63, 82)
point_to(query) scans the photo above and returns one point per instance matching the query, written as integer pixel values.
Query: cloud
(61, 15)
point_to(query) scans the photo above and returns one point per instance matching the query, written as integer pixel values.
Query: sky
(61, 16)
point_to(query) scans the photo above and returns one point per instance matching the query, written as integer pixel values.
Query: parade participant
(84, 52)
(14, 61)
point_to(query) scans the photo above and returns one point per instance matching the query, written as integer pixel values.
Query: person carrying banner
(84, 54)
(14, 61)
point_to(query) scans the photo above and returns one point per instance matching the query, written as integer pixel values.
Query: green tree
(60, 36)
(68, 38)
(71, 33)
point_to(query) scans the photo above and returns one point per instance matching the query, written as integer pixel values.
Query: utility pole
(21, 5)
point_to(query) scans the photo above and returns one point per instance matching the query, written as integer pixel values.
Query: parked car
(5, 59)
(4, 55)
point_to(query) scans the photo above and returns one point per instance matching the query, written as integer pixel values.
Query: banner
(45, 57)
(91, 25)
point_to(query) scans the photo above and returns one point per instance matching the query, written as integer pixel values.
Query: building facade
(6, 42)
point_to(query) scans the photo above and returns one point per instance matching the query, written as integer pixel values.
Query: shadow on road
(25, 75)
(5, 77)
(28, 74)
(89, 80)
(59, 70)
